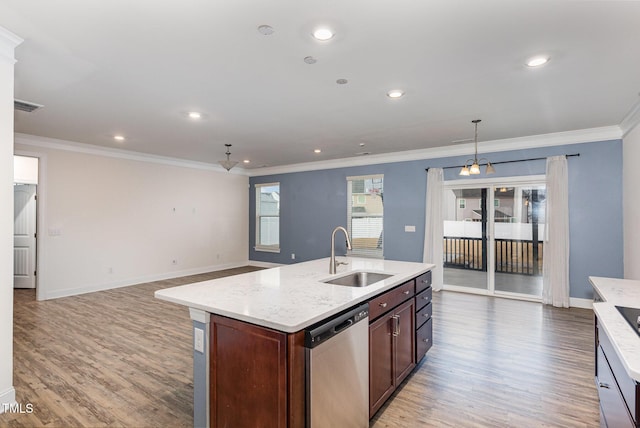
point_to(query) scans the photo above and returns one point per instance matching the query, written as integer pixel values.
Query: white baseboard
(575, 302)
(47, 295)
(7, 398)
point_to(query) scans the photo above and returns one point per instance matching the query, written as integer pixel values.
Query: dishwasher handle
(348, 323)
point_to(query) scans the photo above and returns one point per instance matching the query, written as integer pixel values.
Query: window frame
(275, 248)
(362, 252)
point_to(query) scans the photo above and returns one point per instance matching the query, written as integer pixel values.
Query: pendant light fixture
(474, 169)
(228, 164)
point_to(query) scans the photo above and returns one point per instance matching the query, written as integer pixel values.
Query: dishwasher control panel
(324, 330)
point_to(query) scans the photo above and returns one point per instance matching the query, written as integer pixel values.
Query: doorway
(494, 236)
(25, 222)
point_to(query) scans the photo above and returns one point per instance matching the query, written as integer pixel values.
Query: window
(268, 217)
(365, 215)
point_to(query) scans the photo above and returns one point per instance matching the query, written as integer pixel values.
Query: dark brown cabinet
(619, 394)
(256, 376)
(405, 340)
(391, 342)
(424, 310)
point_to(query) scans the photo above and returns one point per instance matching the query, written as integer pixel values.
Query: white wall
(112, 221)
(631, 203)
(8, 42)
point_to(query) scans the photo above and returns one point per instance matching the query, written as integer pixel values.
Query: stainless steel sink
(358, 279)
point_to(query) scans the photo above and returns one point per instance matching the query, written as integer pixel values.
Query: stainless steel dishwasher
(337, 372)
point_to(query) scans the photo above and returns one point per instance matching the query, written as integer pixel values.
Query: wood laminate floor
(123, 358)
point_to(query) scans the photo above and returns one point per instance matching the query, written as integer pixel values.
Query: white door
(24, 236)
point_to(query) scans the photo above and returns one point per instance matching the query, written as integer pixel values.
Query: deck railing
(511, 255)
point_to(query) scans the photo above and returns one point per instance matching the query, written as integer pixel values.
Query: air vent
(25, 105)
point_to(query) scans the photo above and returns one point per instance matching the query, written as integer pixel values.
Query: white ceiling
(136, 68)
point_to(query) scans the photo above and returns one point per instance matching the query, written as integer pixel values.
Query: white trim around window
(267, 224)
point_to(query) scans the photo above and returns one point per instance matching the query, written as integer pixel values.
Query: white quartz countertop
(292, 297)
(619, 292)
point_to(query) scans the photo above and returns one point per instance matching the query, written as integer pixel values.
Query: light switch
(409, 228)
(198, 339)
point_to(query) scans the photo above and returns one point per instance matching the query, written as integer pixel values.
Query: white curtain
(434, 224)
(555, 278)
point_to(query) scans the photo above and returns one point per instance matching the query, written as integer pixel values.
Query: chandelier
(474, 169)
(228, 163)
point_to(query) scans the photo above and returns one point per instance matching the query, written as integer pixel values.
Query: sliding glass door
(466, 237)
(494, 237)
(519, 218)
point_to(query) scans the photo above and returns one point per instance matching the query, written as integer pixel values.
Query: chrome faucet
(332, 263)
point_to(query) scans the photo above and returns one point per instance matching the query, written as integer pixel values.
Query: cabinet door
(248, 375)
(381, 374)
(424, 339)
(612, 404)
(405, 340)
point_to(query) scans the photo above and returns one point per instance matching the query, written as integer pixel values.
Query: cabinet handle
(424, 281)
(425, 298)
(383, 305)
(426, 340)
(604, 385)
(406, 292)
(425, 315)
(396, 327)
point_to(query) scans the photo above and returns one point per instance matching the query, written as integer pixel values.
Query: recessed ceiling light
(317, 151)
(194, 115)
(310, 60)
(266, 30)
(118, 137)
(395, 93)
(323, 34)
(342, 81)
(246, 161)
(537, 61)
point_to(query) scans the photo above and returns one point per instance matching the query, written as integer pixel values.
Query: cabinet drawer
(627, 385)
(612, 404)
(423, 281)
(423, 298)
(424, 339)
(423, 315)
(389, 300)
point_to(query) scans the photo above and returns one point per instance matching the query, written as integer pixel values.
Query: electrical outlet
(198, 339)
(110, 270)
(293, 256)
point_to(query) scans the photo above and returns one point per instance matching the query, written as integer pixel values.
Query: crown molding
(531, 142)
(631, 119)
(69, 146)
(8, 43)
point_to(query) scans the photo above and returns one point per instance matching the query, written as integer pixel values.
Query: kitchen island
(617, 348)
(249, 332)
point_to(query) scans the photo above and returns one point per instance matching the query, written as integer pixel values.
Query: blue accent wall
(313, 203)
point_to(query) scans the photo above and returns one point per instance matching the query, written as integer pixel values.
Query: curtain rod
(497, 163)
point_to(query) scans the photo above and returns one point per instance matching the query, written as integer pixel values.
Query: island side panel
(296, 380)
(201, 323)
